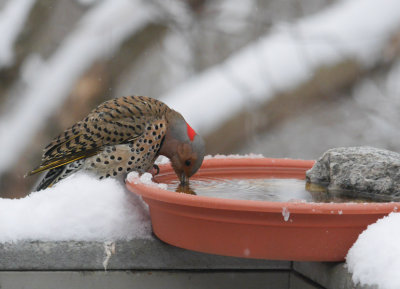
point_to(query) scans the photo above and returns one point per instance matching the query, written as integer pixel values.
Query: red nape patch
(191, 133)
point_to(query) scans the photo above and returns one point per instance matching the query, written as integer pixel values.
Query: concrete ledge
(148, 263)
(328, 275)
(144, 280)
(137, 254)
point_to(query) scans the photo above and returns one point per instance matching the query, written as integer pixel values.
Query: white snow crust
(162, 160)
(145, 178)
(374, 259)
(81, 207)
(234, 156)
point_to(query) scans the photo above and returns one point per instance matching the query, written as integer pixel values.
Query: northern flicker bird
(122, 135)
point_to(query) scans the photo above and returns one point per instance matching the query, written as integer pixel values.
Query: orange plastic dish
(256, 229)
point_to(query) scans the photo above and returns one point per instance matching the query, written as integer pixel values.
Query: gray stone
(365, 171)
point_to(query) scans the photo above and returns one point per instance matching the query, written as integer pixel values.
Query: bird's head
(183, 146)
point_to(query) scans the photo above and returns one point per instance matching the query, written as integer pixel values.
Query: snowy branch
(286, 58)
(12, 19)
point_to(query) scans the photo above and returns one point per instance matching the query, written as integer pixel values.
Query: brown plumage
(119, 136)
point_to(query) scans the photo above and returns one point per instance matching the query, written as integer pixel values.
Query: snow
(234, 156)
(234, 14)
(162, 160)
(285, 214)
(109, 250)
(100, 32)
(284, 59)
(12, 20)
(80, 207)
(374, 259)
(146, 178)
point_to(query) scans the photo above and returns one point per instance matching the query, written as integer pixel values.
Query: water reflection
(273, 190)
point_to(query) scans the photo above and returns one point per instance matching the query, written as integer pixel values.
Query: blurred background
(282, 78)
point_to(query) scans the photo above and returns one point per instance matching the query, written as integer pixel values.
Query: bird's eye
(188, 162)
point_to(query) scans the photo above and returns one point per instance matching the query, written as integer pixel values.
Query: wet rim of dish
(158, 194)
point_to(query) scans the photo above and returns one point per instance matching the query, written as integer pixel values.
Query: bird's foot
(155, 170)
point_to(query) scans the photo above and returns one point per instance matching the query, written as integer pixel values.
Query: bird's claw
(157, 168)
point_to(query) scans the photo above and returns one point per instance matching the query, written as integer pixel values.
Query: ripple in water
(272, 190)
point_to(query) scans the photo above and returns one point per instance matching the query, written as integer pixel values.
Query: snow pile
(80, 207)
(146, 178)
(374, 258)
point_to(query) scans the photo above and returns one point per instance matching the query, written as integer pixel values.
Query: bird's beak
(184, 179)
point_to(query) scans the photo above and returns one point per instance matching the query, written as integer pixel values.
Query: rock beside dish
(360, 170)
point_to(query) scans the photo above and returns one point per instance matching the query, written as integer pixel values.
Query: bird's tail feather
(50, 177)
(55, 175)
